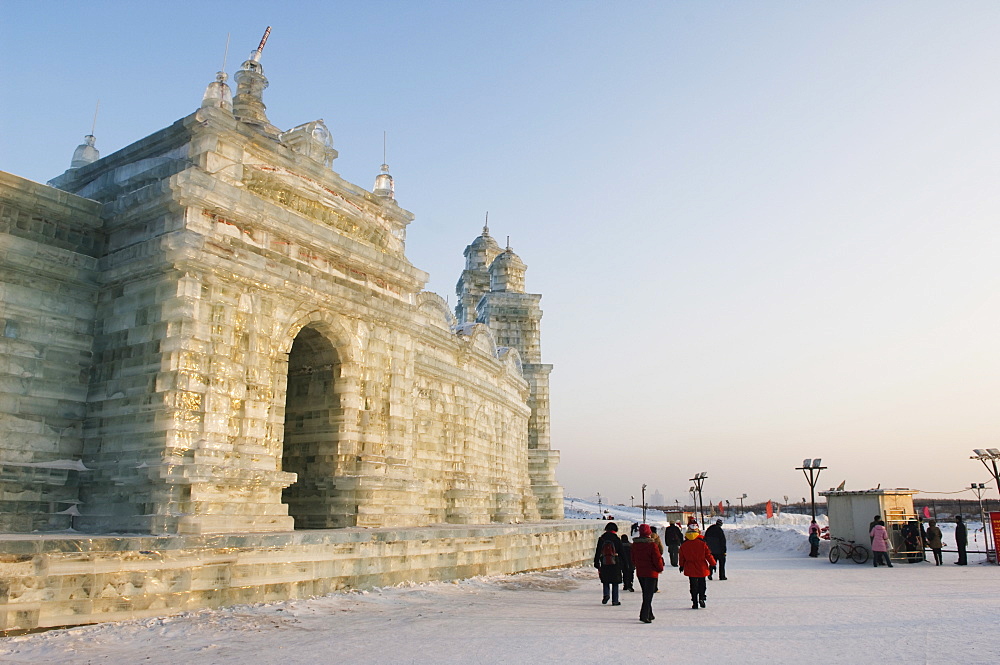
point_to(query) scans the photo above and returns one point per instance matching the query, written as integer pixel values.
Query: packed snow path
(776, 607)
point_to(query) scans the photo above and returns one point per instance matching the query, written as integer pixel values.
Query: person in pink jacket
(880, 544)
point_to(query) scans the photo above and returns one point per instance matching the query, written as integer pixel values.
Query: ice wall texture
(50, 243)
(63, 580)
(234, 341)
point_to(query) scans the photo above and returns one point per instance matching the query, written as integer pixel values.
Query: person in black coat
(962, 541)
(716, 541)
(628, 568)
(608, 561)
(672, 538)
(912, 542)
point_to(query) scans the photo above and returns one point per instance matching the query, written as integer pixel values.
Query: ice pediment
(323, 203)
(436, 309)
(480, 336)
(511, 358)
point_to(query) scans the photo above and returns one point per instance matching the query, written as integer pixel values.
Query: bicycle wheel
(860, 554)
(834, 553)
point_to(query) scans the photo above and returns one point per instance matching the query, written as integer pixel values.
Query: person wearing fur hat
(608, 561)
(695, 560)
(656, 539)
(648, 564)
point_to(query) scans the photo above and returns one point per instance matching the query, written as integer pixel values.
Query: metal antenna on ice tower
(93, 125)
(225, 56)
(260, 47)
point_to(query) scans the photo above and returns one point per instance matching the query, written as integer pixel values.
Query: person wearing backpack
(648, 565)
(608, 561)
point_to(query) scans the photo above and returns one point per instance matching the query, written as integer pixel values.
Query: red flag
(927, 513)
(770, 509)
(720, 508)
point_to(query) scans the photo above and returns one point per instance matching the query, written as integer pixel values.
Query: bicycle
(858, 553)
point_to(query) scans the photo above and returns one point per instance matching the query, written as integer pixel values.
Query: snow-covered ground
(778, 606)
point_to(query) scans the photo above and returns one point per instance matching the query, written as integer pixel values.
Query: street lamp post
(699, 483)
(810, 469)
(644, 503)
(741, 502)
(979, 488)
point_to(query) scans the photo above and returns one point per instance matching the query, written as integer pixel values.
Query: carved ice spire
(217, 93)
(507, 271)
(86, 153)
(384, 185)
(248, 105)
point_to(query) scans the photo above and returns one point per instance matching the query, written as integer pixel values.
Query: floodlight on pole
(992, 455)
(811, 468)
(699, 483)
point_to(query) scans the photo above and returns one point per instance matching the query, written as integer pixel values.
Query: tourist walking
(813, 539)
(608, 561)
(695, 560)
(628, 569)
(961, 541)
(656, 539)
(880, 544)
(934, 537)
(648, 565)
(672, 538)
(715, 538)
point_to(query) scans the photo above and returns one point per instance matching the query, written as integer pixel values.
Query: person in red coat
(648, 564)
(696, 561)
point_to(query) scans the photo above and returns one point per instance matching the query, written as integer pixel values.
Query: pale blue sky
(763, 231)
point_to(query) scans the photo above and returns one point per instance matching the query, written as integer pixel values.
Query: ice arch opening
(312, 412)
